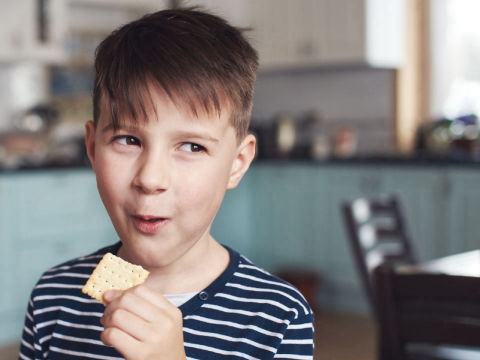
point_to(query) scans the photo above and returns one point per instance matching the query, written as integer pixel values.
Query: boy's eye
(126, 140)
(191, 147)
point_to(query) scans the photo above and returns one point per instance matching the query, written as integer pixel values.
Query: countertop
(354, 161)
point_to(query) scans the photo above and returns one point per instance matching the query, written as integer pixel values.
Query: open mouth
(149, 218)
(149, 225)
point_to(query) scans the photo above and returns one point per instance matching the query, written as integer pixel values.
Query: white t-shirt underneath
(178, 300)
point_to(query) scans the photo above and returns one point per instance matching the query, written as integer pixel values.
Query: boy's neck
(193, 272)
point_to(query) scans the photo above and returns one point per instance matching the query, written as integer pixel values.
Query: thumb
(109, 295)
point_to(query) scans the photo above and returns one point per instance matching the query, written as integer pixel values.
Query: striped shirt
(246, 313)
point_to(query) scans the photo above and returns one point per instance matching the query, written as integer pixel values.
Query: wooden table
(464, 264)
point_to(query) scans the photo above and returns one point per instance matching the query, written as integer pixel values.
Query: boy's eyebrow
(189, 134)
(186, 134)
(120, 126)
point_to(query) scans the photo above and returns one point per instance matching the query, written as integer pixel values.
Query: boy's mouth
(150, 218)
(149, 224)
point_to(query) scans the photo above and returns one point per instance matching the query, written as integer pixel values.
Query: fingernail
(108, 295)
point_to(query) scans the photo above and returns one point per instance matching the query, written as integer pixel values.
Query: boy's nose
(153, 175)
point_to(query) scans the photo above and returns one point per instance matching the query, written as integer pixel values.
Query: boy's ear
(90, 142)
(245, 155)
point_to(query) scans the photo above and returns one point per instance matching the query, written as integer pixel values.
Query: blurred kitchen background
(354, 98)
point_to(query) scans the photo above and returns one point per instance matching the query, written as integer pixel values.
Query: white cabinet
(33, 30)
(104, 16)
(292, 34)
(90, 21)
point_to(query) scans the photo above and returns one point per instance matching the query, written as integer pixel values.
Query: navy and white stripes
(245, 314)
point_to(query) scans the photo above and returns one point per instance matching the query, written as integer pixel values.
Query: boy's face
(176, 168)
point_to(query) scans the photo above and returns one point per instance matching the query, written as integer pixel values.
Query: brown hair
(200, 61)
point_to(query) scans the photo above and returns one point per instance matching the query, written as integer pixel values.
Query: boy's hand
(142, 324)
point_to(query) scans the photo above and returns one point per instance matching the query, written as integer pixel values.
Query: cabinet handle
(42, 18)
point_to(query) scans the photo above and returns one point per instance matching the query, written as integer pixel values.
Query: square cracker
(115, 273)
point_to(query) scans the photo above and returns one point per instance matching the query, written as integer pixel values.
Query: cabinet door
(348, 185)
(234, 11)
(343, 288)
(343, 31)
(12, 34)
(233, 223)
(464, 209)
(29, 32)
(425, 199)
(52, 203)
(46, 218)
(287, 33)
(5, 244)
(289, 212)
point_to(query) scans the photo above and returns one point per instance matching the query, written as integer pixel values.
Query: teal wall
(280, 214)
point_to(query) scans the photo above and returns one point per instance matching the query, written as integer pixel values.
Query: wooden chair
(427, 316)
(378, 233)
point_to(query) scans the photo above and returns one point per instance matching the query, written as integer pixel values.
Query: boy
(172, 100)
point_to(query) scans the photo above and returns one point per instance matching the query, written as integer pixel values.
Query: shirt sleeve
(29, 348)
(297, 342)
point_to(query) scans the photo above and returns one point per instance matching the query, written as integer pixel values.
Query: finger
(109, 295)
(127, 322)
(152, 296)
(131, 302)
(121, 341)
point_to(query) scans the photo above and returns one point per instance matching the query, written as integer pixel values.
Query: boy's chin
(147, 253)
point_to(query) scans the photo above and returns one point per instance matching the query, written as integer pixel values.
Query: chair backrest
(434, 309)
(378, 233)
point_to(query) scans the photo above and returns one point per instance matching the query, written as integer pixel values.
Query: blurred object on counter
(285, 136)
(67, 145)
(38, 119)
(312, 142)
(265, 142)
(42, 140)
(456, 139)
(74, 108)
(275, 138)
(28, 144)
(22, 149)
(288, 137)
(320, 149)
(320, 144)
(24, 86)
(345, 142)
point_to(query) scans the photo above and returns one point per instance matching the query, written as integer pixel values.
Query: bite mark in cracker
(113, 273)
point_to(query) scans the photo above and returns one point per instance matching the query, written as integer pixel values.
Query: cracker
(114, 273)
